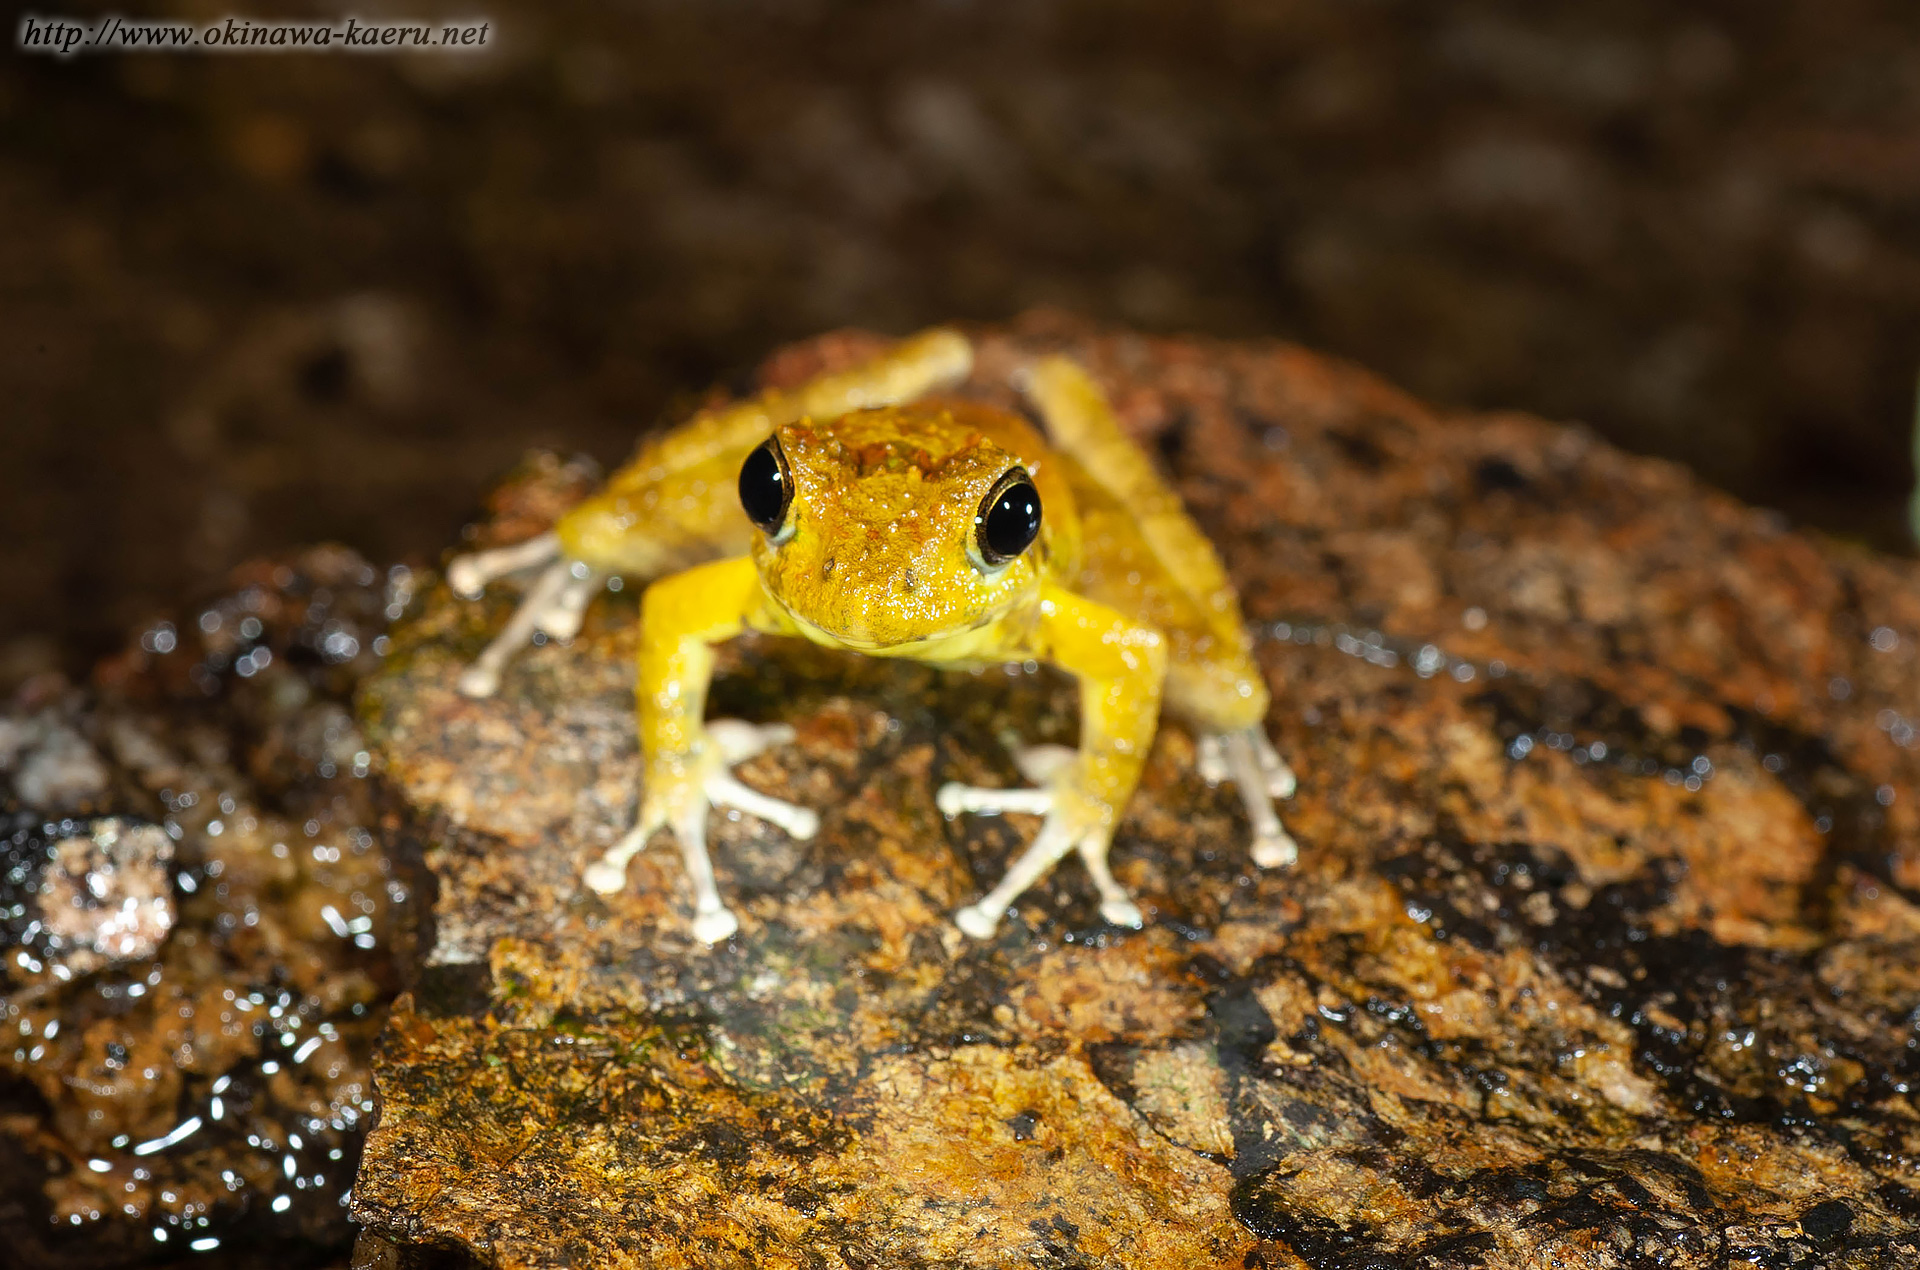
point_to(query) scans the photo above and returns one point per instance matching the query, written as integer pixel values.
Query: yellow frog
(864, 512)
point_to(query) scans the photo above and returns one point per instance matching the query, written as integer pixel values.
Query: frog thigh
(1212, 681)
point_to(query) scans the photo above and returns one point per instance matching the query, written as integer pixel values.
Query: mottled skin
(880, 553)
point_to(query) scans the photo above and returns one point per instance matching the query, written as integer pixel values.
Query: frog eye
(766, 487)
(1009, 518)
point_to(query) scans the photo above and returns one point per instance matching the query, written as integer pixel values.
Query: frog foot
(1061, 832)
(554, 605)
(732, 741)
(1247, 758)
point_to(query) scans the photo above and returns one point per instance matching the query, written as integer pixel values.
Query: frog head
(892, 529)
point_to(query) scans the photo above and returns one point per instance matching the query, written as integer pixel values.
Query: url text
(69, 37)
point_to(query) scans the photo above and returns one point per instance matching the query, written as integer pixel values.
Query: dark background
(247, 302)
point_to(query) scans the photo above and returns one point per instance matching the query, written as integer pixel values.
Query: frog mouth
(878, 647)
(839, 639)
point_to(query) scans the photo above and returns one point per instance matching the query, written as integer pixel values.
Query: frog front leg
(688, 759)
(1121, 666)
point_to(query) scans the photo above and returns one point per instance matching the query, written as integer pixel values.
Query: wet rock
(83, 894)
(192, 984)
(1598, 952)
(51, 765)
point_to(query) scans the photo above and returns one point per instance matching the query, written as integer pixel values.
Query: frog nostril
(826, 570)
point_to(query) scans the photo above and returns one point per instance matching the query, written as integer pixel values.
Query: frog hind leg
(1178, 584)
(1219, 692)
(546, 605)
(625, 527)
(735, 741)
(469, 575)
(554, 605)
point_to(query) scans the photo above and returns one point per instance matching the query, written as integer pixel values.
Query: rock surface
(197, 920)
(90, 893)
(1600, 951)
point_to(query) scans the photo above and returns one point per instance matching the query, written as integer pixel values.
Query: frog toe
(978, 921)
(1275, 850)
(724, 791)
(563, 613)
(738, 741)
(1261, 777)
(478, 682)
(1210, 758)
(1279, 777)
(1041, 764)
(608, 874)
(604, 877)
(955, 799)
(714, 925)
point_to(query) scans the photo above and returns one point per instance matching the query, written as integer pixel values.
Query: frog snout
(885, 604)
